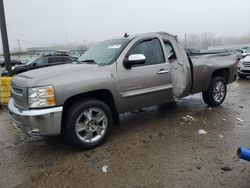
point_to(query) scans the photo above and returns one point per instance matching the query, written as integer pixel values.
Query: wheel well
(223, 73)
(19, 72)
(102, 95)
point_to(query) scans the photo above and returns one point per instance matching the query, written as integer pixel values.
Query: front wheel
(216, 93)
(88, 123)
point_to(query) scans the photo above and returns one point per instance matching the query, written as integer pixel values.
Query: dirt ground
(154, 147)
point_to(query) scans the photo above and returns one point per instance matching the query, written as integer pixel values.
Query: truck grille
(246, 64)
(19, 96)
(246, 71)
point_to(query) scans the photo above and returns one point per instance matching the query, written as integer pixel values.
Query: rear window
(170, 51)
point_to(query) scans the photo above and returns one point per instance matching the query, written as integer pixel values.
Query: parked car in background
(44, 61)
(13, 63)
(244, 67)
(247, 50)
(192, 50)
(240, 53)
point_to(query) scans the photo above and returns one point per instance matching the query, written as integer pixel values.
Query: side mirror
(135, 59)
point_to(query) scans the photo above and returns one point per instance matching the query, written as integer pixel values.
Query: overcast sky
(45, 22)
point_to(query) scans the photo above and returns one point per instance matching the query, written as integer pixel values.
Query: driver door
(147, 84)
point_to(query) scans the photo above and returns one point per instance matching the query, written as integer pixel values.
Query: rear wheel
(88, 123)
(216, 93)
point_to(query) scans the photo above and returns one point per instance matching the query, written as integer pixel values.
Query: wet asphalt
(158, 146)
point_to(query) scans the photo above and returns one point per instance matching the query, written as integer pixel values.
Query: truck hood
(247, 59)
(51, 74)
(53, 71)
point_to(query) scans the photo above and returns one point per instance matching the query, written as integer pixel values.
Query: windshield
(248, 50)
(31, 61)
(104, 53)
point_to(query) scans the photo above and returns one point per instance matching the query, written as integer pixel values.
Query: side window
(170, 51)
(56, 60)
(52, 60)
(41, 61)
(60, 59)
(67, 60)
(151, 49)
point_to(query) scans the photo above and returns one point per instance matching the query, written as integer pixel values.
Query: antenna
(126, 35)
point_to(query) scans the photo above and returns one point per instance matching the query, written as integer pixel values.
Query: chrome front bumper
(244, 71)
(37, 122)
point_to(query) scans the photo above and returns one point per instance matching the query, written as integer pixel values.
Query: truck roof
(131, 37)
(163, 33)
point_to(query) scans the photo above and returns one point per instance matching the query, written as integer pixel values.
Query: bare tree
(203, 41)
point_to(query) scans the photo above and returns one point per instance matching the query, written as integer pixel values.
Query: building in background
(35, 52)
(41, 51)
(233, 46)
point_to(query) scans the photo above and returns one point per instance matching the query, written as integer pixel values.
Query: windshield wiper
(90, 61)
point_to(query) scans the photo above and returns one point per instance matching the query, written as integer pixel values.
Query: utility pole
(4, 35)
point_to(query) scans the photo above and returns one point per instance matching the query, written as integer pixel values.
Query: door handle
(162, 71)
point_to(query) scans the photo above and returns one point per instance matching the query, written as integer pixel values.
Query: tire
(94, 119)
(242, 76)
(216, 93)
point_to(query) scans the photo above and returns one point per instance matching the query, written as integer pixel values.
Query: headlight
(240, 63)
(40, 97)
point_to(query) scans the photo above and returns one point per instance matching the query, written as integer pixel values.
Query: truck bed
(203, 64)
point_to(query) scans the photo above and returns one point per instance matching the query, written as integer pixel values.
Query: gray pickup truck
(83, 100)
